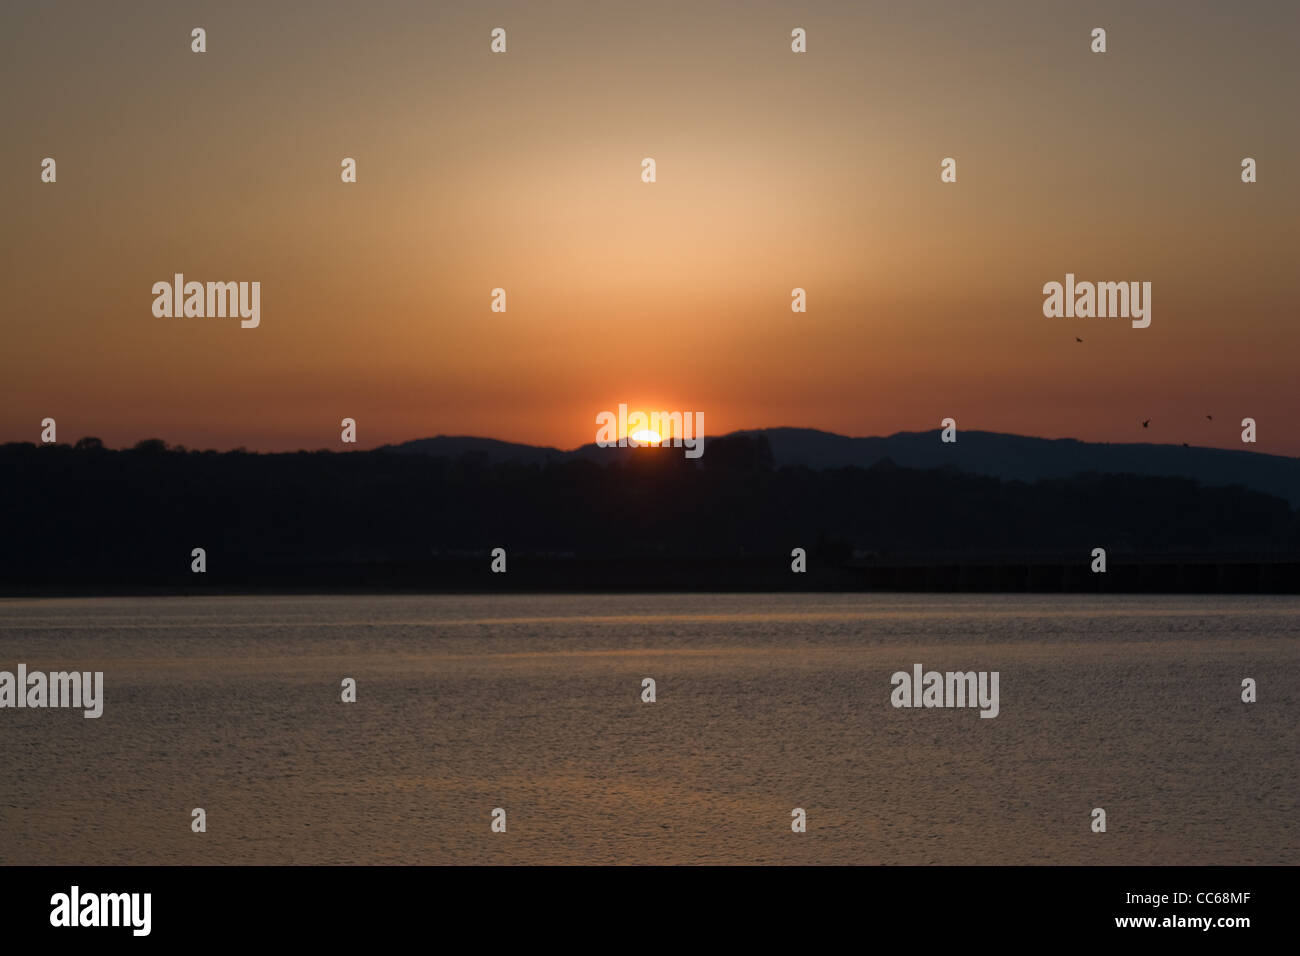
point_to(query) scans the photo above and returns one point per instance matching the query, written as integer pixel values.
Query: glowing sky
(522, 171)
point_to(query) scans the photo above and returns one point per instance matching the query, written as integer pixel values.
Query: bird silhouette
(1146, 423)
(1077, 339)
(1210, 417)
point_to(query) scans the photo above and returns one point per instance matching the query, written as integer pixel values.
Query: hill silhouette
(89, 519)
(995, 454)
(487, 449)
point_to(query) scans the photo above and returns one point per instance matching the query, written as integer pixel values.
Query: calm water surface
(765, 703)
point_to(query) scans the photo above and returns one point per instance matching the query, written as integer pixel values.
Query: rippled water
(765, 703)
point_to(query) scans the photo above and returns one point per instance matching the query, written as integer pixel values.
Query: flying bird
(1146, 423)
(1077, 339)
(1210, 417)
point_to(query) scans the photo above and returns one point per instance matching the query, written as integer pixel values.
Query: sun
(646, 435)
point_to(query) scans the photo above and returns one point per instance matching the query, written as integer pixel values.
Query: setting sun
(647, 436)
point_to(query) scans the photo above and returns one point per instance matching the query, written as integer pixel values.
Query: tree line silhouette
(85, 518)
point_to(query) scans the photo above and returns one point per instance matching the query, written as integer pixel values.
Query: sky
(522, 171)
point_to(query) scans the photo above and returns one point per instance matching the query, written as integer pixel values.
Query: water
(765, 703)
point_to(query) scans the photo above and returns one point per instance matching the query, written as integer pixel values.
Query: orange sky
(522, 171)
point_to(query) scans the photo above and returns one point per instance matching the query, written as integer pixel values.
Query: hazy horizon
(360, 446)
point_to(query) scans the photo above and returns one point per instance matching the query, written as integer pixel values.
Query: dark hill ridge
(86, 519)
(1010, 457)
(489, 449)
